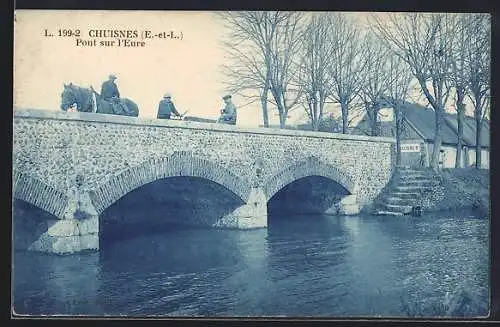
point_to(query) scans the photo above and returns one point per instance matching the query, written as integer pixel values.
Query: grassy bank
(462, 188)
(463, 302)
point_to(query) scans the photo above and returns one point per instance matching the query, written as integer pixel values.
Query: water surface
(298, 266)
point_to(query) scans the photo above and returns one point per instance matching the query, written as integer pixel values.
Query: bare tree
(285, 64)
(346, 62)
(459, 79)
(261, 49)
(398, 86)
(478, 56)
(373, 80)
(313, 76)
(424, 41)
(248, 46)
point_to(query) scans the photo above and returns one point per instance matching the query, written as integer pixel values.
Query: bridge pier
(251, 215)
(78, 230)
(347, 206)
(66, 236)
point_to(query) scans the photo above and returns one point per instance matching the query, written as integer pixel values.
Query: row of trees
(289, 60)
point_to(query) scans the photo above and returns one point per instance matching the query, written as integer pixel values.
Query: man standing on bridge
(229, 113)
(166, 108)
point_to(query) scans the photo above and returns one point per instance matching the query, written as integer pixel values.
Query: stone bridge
(75, 166)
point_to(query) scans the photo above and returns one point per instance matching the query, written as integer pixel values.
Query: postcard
(250, 164)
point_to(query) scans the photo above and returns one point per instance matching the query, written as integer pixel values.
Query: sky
(188, 68)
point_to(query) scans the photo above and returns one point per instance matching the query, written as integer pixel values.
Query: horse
(88, 100)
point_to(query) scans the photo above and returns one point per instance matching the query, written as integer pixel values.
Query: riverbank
(460, 188)
(454, 189)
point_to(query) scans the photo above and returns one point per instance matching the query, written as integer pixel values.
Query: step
(422, 183)
(388, 213)
(413, 168)
(417, 177)
(413, 189)
(413, 171)
(414, 175)
(399, 201)
(405, 195)
(398, 208)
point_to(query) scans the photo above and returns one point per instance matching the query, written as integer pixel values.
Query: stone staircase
(406, 190)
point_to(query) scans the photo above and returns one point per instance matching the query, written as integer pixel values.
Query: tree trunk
(321, 108)
(314, 119)
(437, 138)
(282, 119)
(345, 112)
(316, 116)
(375, 121)
(479, 125)
(280, 105)
(460, 135)
(315, 124)
(397, 112)
(263, 99)
(281, 111)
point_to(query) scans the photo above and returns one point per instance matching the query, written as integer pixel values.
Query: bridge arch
(311, 166)
(39, 194)
(180, 163)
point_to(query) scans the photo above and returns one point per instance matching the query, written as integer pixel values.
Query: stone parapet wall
(117, 154)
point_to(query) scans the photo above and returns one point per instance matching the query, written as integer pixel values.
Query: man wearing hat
(229, 113)
(109, 89)
(166, 108)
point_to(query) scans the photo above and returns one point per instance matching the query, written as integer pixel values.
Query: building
(418, 136)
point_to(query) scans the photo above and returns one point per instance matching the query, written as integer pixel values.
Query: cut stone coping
(136, 121)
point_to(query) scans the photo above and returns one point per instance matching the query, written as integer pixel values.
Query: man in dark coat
(110, 94)
(109, 89)
(229, 113)
(166, 107)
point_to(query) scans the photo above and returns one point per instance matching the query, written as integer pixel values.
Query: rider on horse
(76, 98)
(109, 89)
(110, 93)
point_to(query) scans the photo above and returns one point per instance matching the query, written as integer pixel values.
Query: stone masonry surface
(114, 155)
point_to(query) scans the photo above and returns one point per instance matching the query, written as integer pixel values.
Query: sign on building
(410, 147)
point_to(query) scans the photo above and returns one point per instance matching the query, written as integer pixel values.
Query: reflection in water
(55, 284)
(298, 266)
(370, 259)
(249, 280)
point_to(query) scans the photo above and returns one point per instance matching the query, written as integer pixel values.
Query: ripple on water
(364, 266)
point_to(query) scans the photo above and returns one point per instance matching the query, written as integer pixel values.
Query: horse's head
(73, 94)
(69, 96)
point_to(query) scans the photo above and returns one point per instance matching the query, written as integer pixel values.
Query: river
(361, 266)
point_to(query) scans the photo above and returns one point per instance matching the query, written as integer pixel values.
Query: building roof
(469, 129)
(422, 119)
